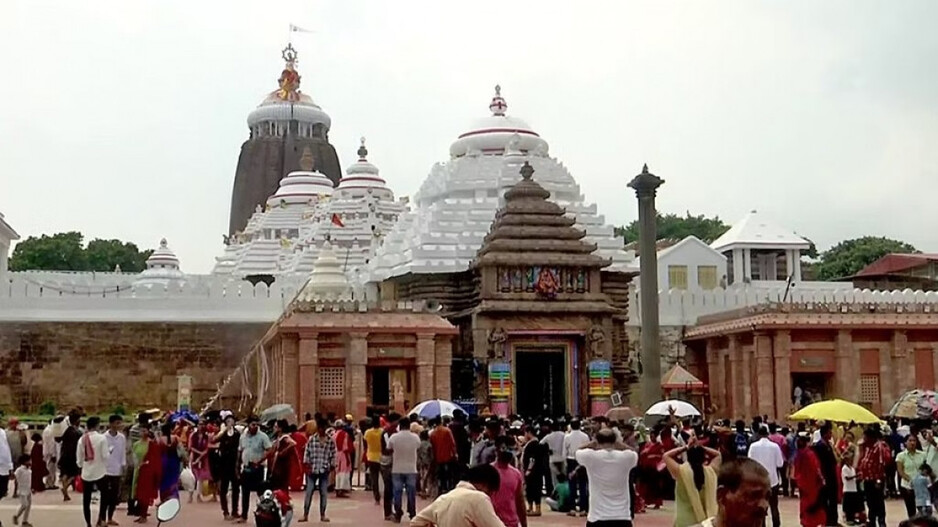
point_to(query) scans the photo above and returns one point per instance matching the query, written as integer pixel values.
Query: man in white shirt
(572, 442)
(554, 442)
(92, 457)
(769, 455)
(468, 505)
(608, 465)
(116, 462)
(403, 448)
(6, 464)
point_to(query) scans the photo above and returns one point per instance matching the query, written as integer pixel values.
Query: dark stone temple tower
(288, 132)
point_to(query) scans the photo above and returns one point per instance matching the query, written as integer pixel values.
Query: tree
(65, 252)
(672, 226)
(105, 255)
(59, 252)
(850, 256)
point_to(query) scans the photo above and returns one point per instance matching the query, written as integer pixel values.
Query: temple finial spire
(362, 151)
(527, 171)
(498, 104)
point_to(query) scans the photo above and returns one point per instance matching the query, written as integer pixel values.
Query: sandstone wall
(99, 365)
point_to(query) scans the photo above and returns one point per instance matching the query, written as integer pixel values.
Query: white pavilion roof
(754, 231)
(456, 204)
(6, 231)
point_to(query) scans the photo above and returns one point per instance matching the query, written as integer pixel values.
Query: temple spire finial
(498, 104)
(645, 168)
(362, 151)
(527, 171)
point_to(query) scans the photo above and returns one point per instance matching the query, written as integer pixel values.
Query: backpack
(742, 445)
(267, 513)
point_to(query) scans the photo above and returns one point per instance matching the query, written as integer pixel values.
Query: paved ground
(49, 511)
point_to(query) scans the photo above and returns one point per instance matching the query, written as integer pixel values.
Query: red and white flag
(336, 220)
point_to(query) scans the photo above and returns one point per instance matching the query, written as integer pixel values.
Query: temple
(286, 127)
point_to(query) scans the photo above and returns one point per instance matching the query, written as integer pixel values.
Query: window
(332, 383)
(707, 276)
(677, 277)
(869, 388)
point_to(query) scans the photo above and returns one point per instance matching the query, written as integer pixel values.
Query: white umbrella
(434, 408)
(681, 408)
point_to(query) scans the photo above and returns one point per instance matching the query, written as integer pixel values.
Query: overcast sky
(125, 119)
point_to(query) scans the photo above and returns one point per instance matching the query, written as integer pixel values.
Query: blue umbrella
(435, 408)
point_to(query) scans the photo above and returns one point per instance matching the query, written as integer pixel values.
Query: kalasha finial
(362, 151)
(498, 104)
(163, 243)
(645, 168)
(527, 171)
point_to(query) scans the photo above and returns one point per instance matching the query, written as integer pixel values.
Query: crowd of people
(478, 471)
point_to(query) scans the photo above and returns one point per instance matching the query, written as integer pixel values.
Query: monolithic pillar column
(735, 408)
(426, 356)
(289, 347)
(646, 187)
(309, 375)
(781, 353)
(443, 367)
(356, 377)
(846, 374)
(716, 377)
(765, 382)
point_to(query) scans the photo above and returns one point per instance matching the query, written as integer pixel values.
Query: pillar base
(599, 406)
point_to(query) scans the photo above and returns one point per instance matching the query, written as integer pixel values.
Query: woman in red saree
(148, 470)
(297, 480)
(284, 460)
(810, 482)
(651, 465)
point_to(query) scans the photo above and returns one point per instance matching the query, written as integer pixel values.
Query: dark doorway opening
(540, 379)
(380, 386)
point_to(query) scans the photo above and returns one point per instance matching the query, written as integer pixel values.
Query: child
(282, 498)
(559, 501)
(853, 502)
(23, 479)
(425, 465)
(920, 484)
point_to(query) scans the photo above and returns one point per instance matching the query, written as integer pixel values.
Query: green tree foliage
(850, 256)
(672, 226)
(65, 251)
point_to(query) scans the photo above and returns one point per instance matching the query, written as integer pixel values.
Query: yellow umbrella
(836, 410)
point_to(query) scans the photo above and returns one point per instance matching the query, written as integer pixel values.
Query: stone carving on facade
(497, 339)
(596, 337)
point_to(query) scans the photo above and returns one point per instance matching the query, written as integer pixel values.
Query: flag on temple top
(298, 29)
(336, 220)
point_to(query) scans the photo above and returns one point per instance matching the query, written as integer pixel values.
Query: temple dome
(328, 280)
(300, 187)
(162, 268)
(288, 103)
(492, 134)
(362, 174)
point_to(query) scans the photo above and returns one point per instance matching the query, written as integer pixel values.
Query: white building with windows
(7, 237)
(757, 249)
(691, 265)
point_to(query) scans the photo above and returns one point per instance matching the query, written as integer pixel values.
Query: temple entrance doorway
(810, 388)
(540, 380)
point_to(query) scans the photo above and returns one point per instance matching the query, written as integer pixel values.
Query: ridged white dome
(362, 174)
(492, 134)
(328, 280)
(162, 268)
(300, 187)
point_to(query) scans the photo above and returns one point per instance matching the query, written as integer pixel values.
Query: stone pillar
(289, 349)
(716, 377)
(902, 365)
(789, 262)
(747, 265)
(746, 381)
(765, 374)
(735, 409)
(738, 268)
(443, 368)
(796, 256)
(309, 375)
(426, 356)
(646, 187)
(846, 374)
(781, 352)
(356, 375)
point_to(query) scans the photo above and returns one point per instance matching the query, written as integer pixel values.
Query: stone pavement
(50, 511)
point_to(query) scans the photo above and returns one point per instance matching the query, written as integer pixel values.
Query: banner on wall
(600, 375)
(500, 379)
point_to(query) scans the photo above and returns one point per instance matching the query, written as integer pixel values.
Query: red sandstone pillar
(781, 352)
(715, 376)
(902, 367)
(356, 375)
(765, 376)
(309, 375)
(846, 364)
(746, 376)
(426, 356)
(443, 366)
(736, 378)
(289, 347)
